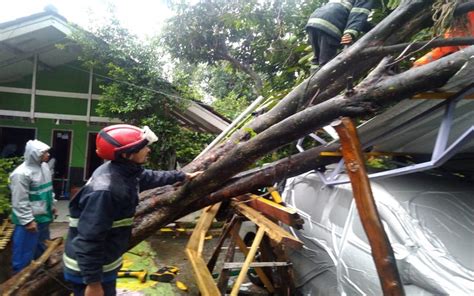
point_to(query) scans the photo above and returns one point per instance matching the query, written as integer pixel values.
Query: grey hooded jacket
(31, 187)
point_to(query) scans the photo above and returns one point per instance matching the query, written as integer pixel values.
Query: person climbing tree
(337, 23)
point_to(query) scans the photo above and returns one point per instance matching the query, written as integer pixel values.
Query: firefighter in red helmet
(101, 213)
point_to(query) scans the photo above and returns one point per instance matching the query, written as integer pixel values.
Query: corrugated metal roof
(420, 136)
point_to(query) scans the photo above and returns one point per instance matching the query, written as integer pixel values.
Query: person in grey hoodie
(32, 204)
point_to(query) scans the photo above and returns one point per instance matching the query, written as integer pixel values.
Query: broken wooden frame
(266, 228)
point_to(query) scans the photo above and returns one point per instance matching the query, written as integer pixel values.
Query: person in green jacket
(32, 204)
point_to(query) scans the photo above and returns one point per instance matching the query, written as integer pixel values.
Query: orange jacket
(440, 52)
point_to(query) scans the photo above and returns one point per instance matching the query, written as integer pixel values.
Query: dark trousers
(109, 289)
(324, 46)
(28, 245)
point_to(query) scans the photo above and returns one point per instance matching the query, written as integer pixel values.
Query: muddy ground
(169, 250)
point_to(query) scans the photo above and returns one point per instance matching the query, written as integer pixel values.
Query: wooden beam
(212, 261)
(274, 231)
(274, 210)
(238, 265)
(243, 248)
(30, 270)
(250, 256)
(382, 252)
(229, 257)
(193, 251)
(204, 279)
(372, 153)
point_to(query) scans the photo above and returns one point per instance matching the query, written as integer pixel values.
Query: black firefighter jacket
(339, 17)
(101, 217)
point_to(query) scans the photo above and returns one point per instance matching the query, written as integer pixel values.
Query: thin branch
(385, 50)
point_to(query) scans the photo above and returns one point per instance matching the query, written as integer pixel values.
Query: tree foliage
(7, 165)
(129, 74)
(259, 38)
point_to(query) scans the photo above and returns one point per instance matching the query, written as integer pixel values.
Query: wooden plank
(275, 211)
(243, 248)
(204, 279)
(267, 255)
(248, 260)
(27, 273)
(225, 273)
(194, 248)
(202, 226)
(284, 280)
(237, 265)
(212, 261)
(373, 153)
(273, 230)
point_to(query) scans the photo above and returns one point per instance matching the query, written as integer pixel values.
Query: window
(13, 140)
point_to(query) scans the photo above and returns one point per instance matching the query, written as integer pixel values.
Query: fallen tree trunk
(250, 181)
(375, 92)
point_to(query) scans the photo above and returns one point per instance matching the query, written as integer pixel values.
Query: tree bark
(375, 92)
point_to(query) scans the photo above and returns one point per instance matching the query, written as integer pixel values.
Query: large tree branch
(366, 99)
(330, 79)
(244, 68)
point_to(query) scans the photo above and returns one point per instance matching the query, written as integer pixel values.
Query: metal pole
(89, 96)
(33, 88)
(381, 249)
(232, 125)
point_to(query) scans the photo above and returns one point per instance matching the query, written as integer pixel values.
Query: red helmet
(122, 138)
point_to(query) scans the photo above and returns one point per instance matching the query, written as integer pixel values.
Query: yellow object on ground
(141, 258)
(141, 275)
(181, 286)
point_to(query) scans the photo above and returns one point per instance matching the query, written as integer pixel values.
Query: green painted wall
(61, 105)
(71, 78)
(67, 78)
(17, 102)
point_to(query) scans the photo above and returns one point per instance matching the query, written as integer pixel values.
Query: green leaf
(250, 131)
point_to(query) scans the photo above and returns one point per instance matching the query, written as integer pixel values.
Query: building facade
(45, 93)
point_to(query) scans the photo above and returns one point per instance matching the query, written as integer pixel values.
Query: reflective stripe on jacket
(339, 17)
(101, 217)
